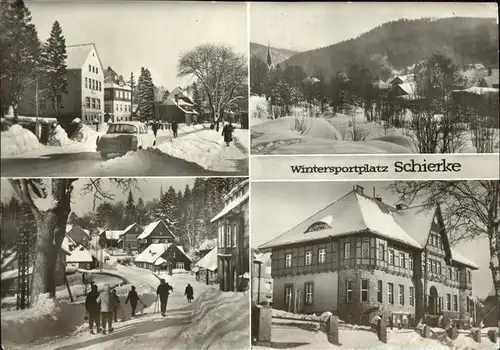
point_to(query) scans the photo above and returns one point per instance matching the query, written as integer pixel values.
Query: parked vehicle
(123, 137)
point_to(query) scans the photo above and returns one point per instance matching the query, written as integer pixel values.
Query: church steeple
(161, 191)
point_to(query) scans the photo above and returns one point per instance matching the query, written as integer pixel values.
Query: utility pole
(23, 277)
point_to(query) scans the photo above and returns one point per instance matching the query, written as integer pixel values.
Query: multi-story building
(155, 232)
(178, 107)
(129, 236)
(84, 98)
(117, 97)
(360, 256)
(233, 238)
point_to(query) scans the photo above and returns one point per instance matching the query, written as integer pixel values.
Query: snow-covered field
(286, 337)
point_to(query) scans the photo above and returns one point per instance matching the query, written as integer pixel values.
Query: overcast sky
(146, 188)
(276, 207)
(130, 34)
(305, 26)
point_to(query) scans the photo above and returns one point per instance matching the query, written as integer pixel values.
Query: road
(90, 164)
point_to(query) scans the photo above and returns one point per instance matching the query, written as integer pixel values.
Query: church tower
(269, 58)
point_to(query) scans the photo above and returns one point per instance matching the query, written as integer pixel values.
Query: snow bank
(243, 138)
(206, 148)
(18, 140)
(58, 137)
(87, 136)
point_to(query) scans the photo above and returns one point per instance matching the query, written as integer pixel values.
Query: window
(365, 249)
(381, 252)
(179, 265)
(93, 84)
(469, 279)
(116, 93)
(90, 68)
(449, 273)
(93, 103)
(455, 302)
(98, 103)
(221, 236)
(235, 234)
(412, 296)
(288, 293)
(401, 294)
(439, 267)
(309, 292)
(87, 102)
(402, 261)
(390, 292)
(379, 291)
(99, 83)
(391, 256)
(364, 290)
(429, 265)
(347, 250)
(448, 302)
(410, 261)
(467, 304)
(86, 82)
(229, 234)
(456, 274)
(96, 70)
(348, 292)
(288, 260)
(308, 258)
(322, 255)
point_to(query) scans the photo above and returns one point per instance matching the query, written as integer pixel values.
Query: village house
(110, 238)
(206, 268)
(163, 257)
(359, 257)
(129, 237)
(81, 258)
(179, 107)
(233, 238)
(78, 235)
(85, 89)
(155, 232)
(491, 80)
(117, 97)
(262, 281)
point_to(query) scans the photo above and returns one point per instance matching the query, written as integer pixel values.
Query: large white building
(117, 97)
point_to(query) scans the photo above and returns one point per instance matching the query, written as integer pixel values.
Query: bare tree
(470, 210)
(222, 73)
(50, 203)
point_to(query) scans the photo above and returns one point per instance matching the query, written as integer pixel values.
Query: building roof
(238, 201)
(209, 261)
(492, 79)
(355, 213)
(78, 255)
(77, 55)
(113, 234)
(208, 244)
(479, 90)
(150, 228)
(152, 252)
(160, 261)
(65, 245)
(129, 227)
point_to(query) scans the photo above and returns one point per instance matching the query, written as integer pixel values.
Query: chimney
(359, 189)
(378, 198)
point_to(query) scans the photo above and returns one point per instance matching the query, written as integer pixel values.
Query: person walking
(93, 309)
(133, 298)
(154, 126)
(189, 293)
(107, 301)
(163, 291)
(116, 305)
(227, 132)
(175, 127)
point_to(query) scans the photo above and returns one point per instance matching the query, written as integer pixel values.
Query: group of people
(174, 126)
(102, 308)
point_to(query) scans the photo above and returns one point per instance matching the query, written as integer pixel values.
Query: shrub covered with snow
(58, 137)
(18, 140)
(258, 107)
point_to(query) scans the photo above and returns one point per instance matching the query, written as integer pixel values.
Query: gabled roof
(113, 234)
(79, 254)
(492, 79)
(209, 261)
(152, 252)
(129, 227)
(208, 244)
(151, 227)
(77, 55)
(238, 201)
(355, 213)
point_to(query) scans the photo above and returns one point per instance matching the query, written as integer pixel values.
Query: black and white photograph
(125, 263)
(374, 78)
(375, 265)
(118, 88)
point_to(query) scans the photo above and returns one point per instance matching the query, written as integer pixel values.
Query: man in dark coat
(133, 298)
(175, 127)
(189, 293)
(116, 305)
(163, 291)
(155, 127)
(227, 132)
(93, 309)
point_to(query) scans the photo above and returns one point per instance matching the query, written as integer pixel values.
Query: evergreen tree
(53, 60)
(130, 210)
(141, 212)
(19, 53)
(145, 95)
(131, 83)
(166, 210)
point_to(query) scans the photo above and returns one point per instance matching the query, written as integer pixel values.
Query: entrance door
(433, 301)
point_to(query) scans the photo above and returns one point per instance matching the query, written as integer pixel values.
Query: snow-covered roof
(492, 79)
(357, 213)
(408, 88)
(152, 252)
(79, 254)
(114, 235)
(479, 90)
(209, 261)
(129, 227)
(238, 201)
(150, 228)
(160, 261)
(208, 244)
(77, 54)
(65, 245)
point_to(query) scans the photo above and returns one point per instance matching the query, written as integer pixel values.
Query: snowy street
(214, 320)
(199, 153)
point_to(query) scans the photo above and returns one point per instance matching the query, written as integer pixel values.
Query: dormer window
(317, 226)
